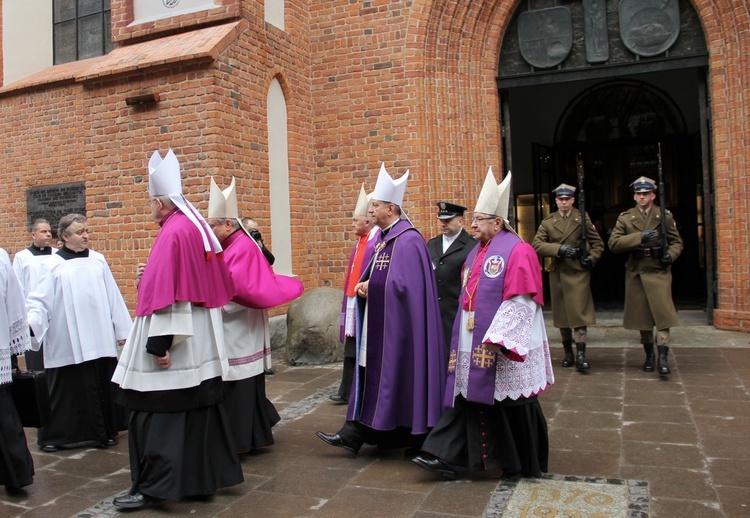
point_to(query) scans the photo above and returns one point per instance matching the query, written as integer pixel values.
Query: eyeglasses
(479, 218)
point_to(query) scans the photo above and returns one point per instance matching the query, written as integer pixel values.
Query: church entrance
(613, 111)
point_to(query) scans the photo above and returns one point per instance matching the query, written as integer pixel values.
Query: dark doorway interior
(616, 126)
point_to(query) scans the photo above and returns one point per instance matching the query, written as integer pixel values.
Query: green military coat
(569, 281)
(648, 283)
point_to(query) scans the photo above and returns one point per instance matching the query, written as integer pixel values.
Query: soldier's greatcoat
(648, 283)
(447, 266)
(569, 280)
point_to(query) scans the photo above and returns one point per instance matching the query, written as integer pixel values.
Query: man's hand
(141, 268)
(649, 235)
(587, 263)
(163, 361)
(666, 259)
(361, 289)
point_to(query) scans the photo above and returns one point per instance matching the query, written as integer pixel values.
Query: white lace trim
(519, 325)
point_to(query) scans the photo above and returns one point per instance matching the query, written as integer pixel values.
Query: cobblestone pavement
(681, 444)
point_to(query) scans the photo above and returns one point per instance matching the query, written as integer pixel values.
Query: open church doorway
(614, 113)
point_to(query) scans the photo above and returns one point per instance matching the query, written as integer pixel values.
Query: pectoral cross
(382, 261)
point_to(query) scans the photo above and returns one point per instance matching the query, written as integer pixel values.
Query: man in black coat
(448, 252)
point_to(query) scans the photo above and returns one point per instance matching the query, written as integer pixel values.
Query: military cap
(643, 184)
(564, 191)
(449, 210)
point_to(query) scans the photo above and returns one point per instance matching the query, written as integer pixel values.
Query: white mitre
(388, 190)
(223, 204)
(494, 199)
(363, 203)
(164, 180)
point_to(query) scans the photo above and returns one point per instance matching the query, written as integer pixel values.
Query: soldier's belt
(640, 253)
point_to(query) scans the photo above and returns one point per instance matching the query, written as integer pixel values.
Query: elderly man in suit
(448, 252)
(560, 237)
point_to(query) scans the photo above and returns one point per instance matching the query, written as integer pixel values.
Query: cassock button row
(484, 455)
(484, 445)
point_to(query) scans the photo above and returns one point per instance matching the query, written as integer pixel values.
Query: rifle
(662, 206)
(582, 253)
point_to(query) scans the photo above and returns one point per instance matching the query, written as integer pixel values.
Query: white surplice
(78, 310)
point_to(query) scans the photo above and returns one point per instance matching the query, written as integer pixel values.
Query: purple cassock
(403, 380)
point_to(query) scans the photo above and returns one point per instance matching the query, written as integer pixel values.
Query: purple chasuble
(178, 269)
(488, 297)
(404, 377)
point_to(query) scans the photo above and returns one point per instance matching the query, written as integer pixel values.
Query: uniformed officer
(648, 275)
(448, 252)
(560, 237)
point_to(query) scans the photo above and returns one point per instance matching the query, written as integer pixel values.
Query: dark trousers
(350, 363)
(386, 439)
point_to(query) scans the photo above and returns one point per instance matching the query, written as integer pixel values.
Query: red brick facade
(408, 83)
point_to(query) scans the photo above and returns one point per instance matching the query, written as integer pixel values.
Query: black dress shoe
(269, 372)
(136, 501)
(339, 441)
(435, 465)
(49, 448)
(336, 398)
(112, 441)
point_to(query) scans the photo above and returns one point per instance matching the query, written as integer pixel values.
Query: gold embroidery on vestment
(483, 358)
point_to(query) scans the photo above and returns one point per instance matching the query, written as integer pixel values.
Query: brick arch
(451, 55)
(454, 54)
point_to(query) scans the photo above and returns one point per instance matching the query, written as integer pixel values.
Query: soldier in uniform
(648, 276)
(448, 252)
(559, 237)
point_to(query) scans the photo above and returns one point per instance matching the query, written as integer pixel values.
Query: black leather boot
(662, 365)
(568, 361)
(648, 366)
(581, 363)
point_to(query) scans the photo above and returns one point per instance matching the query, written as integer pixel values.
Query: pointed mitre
(504, 191)
(489, 196)
(164, 180)
(223, 204)
(363, 203)
(388, 190)
(494, 199)
(164, 175)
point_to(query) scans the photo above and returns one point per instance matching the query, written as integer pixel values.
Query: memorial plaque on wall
(52, 202)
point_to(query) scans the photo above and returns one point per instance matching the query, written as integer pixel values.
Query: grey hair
(166, 201)
(235, 222)
(67, 221)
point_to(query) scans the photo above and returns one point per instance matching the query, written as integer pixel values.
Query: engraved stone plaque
(595, 31)
(545, 36)
(649, 27)
(52, 202)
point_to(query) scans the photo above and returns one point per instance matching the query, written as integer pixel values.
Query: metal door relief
(595, 30)
(649, 27)
(545, 36)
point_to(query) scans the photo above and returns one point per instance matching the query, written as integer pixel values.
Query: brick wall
(408, 83)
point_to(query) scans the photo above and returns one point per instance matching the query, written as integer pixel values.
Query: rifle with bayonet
(665, 257)
(583, 255)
